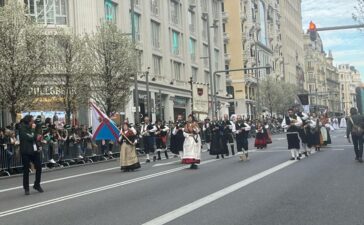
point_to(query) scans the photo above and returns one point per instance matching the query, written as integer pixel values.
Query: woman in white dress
(192, 144)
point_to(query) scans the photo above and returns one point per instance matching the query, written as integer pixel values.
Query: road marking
(168, 163)
(168, 217)
(95, 190)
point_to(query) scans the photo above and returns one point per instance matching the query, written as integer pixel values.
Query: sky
(347, 46)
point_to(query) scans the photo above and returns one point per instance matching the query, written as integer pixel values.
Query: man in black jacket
(29, 152)
(355, 127)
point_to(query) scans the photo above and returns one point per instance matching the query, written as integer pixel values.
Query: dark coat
(27, 138)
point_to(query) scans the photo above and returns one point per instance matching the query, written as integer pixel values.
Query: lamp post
(146, 74)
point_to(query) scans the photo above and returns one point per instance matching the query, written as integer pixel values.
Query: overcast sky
(347, 46)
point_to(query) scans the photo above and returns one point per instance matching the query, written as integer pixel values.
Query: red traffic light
(312, 26)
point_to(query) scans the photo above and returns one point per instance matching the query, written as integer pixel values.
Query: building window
(137, 26)
(175, 14)
(217, 58)
(140, 60)
(156, 35)
(207, 77)
(2, 3)
(157, 65)
(192, 48)
(206, 55)
(204, 6)
(216, 36)
(177, 70)
(204, 29)
(215, 9)
(175, 43)
(262, 20)
(192, 21)
(110, 11)
(50, 12)
(218, 82)
(194, 72)
(154, 7)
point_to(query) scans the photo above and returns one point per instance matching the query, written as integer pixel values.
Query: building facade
(292, 41)
(172, 42)
(251, 39)
(321, 77)
(349, 81)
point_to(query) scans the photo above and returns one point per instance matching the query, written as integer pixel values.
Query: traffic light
(313, 31)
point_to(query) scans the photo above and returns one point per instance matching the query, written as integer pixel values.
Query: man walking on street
(29, 153)
(355, 127)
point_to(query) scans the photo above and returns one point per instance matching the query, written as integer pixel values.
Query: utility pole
(136, 92)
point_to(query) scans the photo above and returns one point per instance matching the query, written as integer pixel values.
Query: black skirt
(218, 146)
(293, 141)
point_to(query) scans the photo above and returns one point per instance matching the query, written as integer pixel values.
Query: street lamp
(146, 74)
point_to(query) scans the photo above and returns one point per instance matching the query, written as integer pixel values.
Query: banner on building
(200, 98)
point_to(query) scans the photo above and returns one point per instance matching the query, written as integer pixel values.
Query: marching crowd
(37, 138)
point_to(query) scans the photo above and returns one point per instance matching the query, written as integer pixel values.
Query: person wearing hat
(30, 153)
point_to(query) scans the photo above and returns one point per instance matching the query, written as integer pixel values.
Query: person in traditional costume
(148, 133)
(314, 137)
(291, 123)
(304, 133)
(128, 156)
(261, 136)
(192, 143)
(161, 139)
(177, 137)
(229, 130)
(335, 123)
(218, 146)
(325, 130)
(242, 132)
(343, 122)
(207, 131)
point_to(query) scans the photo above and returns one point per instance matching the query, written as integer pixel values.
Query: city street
(325, 188)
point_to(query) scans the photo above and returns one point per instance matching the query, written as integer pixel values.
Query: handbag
(356, 130)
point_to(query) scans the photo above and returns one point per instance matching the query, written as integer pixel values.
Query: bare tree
(358, 16)
(113, 58)
(22, 57)
(70, 67)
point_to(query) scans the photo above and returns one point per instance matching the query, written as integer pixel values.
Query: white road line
(92, 191)
(168, 163)
(168, 217)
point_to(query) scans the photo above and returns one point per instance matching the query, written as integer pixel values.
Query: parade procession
(181, 112)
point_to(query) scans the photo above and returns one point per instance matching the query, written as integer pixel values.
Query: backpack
(356, 130)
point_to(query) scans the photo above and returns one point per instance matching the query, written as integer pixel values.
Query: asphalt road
(325, 188)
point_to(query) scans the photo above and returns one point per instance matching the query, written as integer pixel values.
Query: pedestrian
(207, 133)
(128, 156)
(161, 139)
(148, 134)
(291, 123)
(304, 132)
(177, 137)
(261, 136)
(218, 146)
(242, 132)
(192, 143)
(29, 149)
(355, 127)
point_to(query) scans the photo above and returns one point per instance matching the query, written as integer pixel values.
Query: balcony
(227, 58)
(225, 17)
(226, 38)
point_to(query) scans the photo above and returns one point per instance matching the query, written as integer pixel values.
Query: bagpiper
(161, 139)
(242, 132)
(147, 133)
(292, 123)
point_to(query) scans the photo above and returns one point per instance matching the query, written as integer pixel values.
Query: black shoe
(217, 157)
(306, 154)
(300, 155)
(292, 158)
(26, 192)
(222, 156)
(159, 158)
(298, 158)
(193, 166)
(39, 189)
(147, 161)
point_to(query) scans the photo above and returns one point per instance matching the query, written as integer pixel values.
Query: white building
(171, 38)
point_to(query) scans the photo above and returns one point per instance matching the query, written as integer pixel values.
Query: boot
(232, 150)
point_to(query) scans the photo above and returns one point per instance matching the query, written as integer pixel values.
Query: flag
(103, 128)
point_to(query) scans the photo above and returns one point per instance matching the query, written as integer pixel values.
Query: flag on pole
(103, 128)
